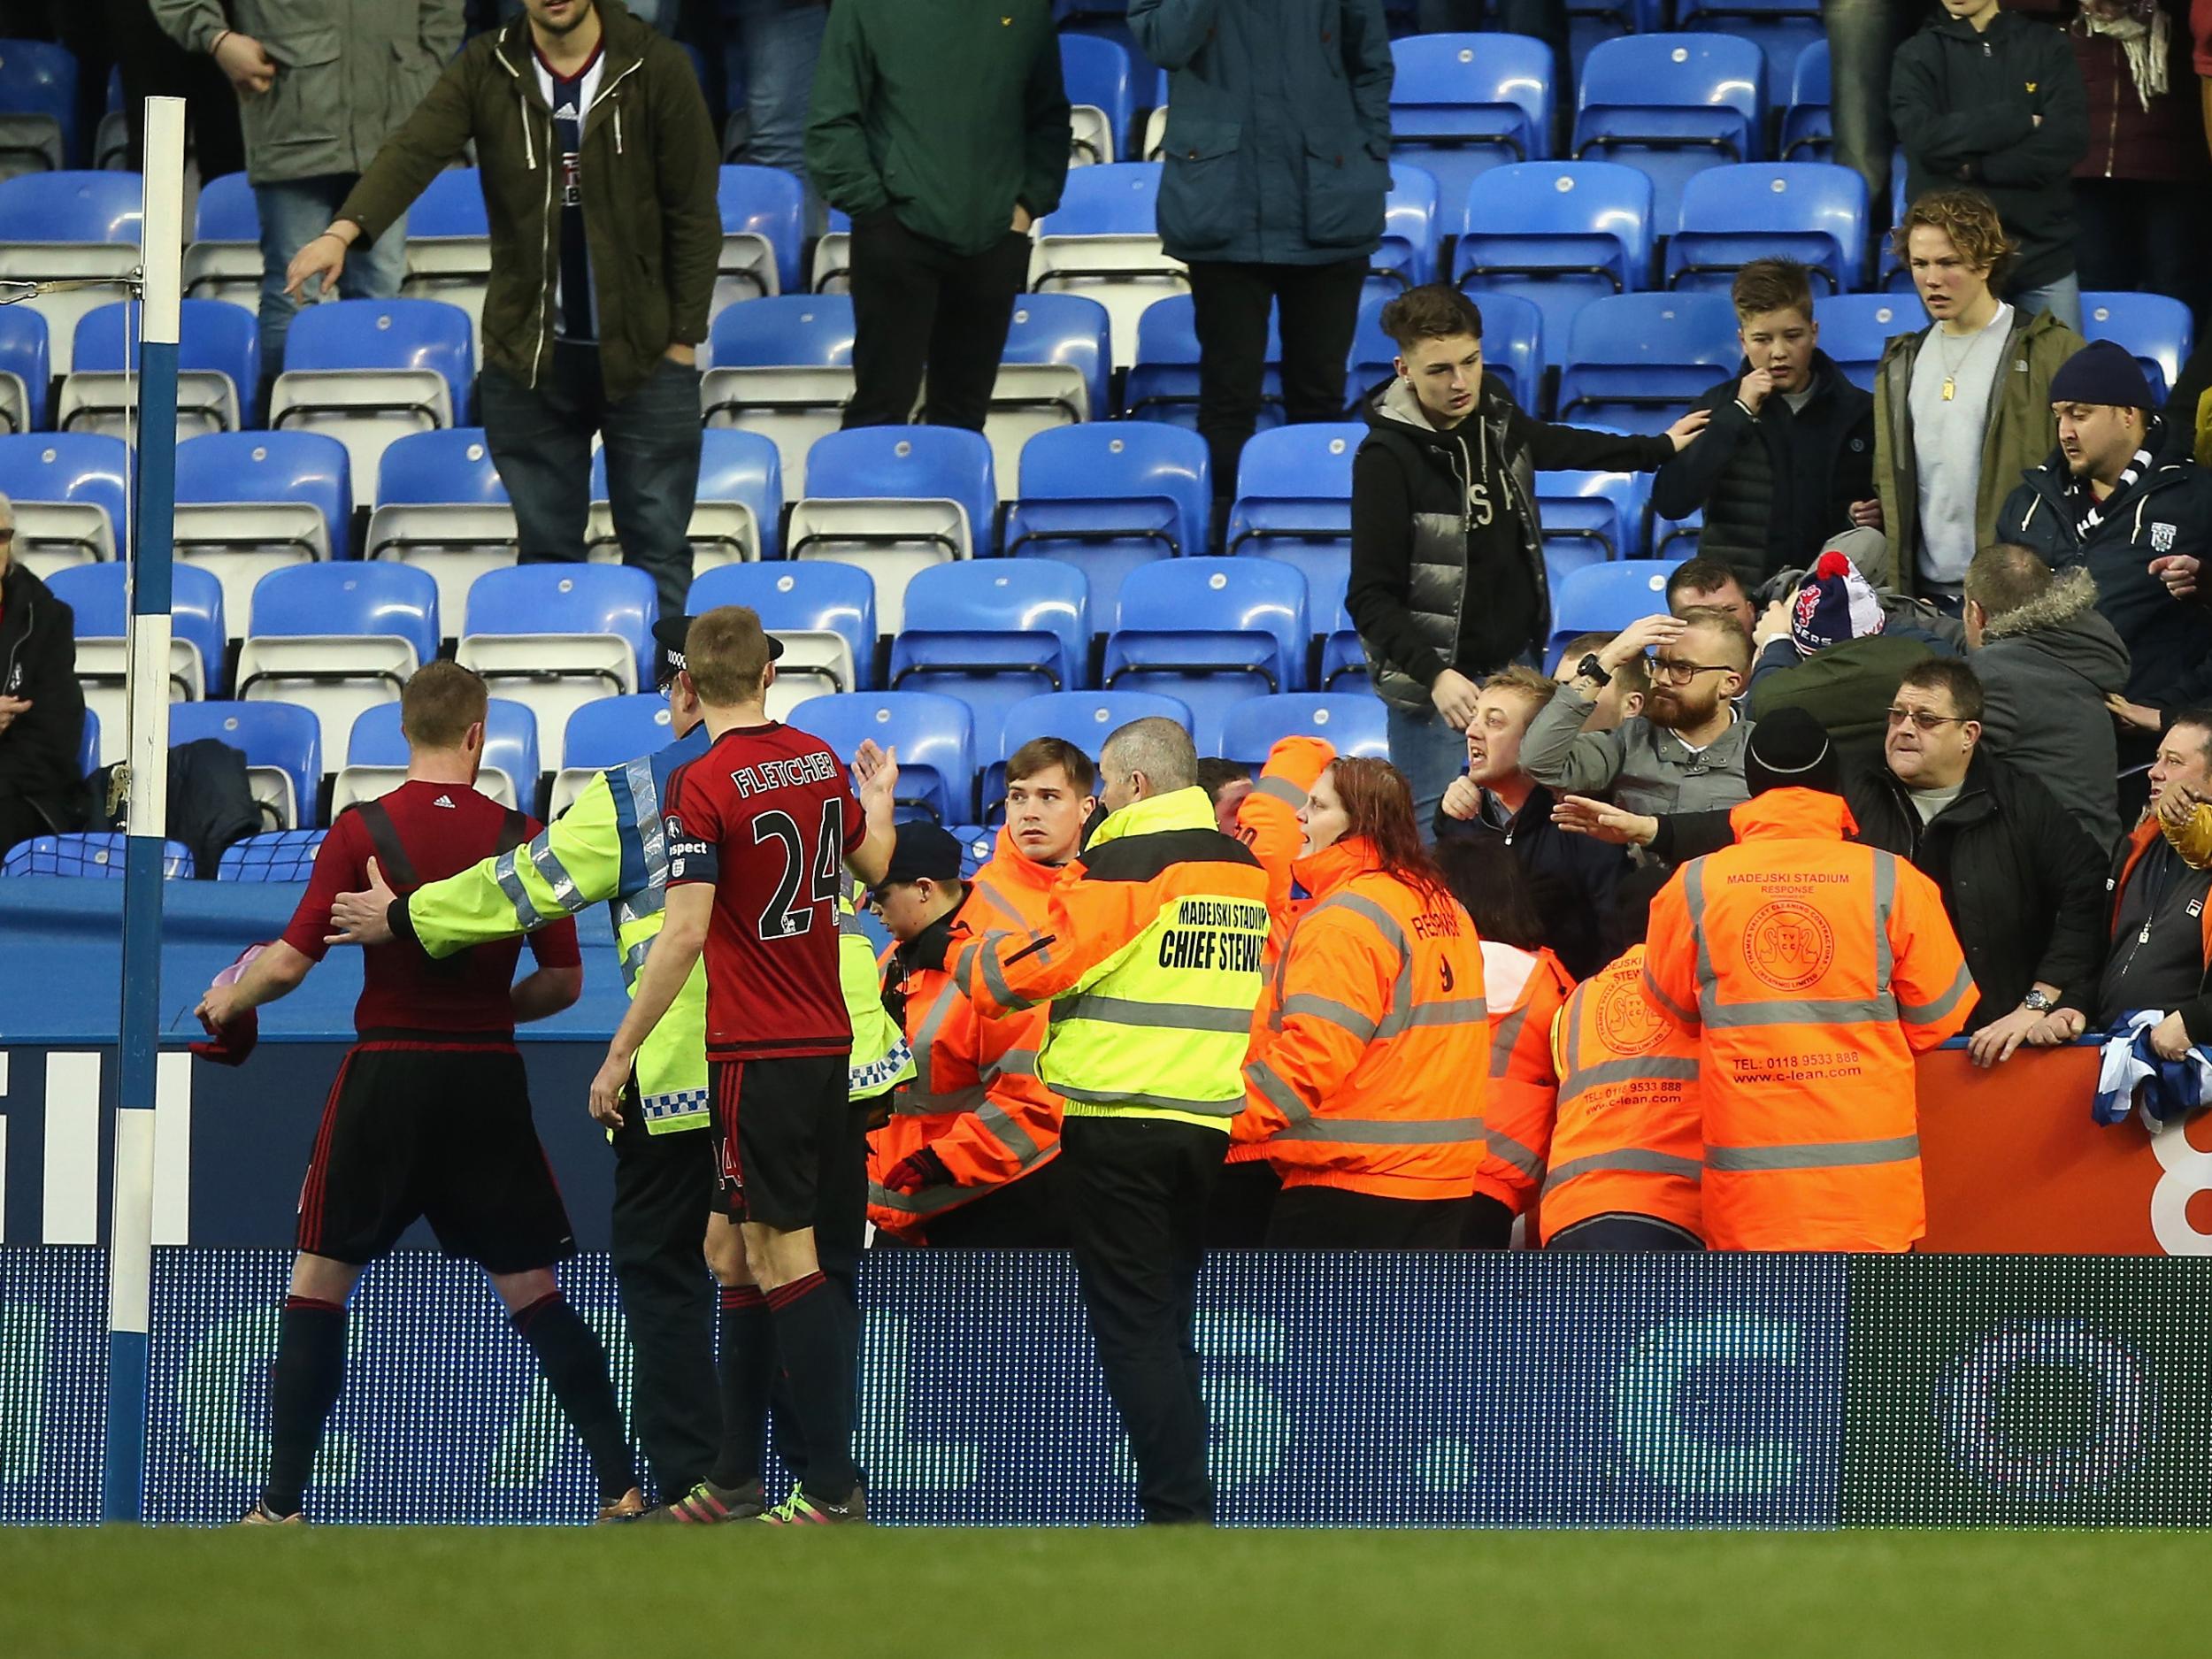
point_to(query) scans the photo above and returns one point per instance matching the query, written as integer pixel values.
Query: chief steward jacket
(1378, 1002)
(974, 1099)
(1811, 970)
(1521, 1094)
(607, 848)
(1628, 1140)
(1150, 953)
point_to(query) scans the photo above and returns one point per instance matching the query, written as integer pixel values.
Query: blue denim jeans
(769, 48)
(541, 442)
(293, 214)
(2061, 299)
(1424, 747)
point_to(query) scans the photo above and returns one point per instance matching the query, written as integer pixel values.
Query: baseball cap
(669, 634)
(922, 852)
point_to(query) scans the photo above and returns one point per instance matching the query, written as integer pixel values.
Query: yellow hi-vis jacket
(1150, 953)
(609, 847)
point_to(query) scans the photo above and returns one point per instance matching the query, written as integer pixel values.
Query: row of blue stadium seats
(989, 662)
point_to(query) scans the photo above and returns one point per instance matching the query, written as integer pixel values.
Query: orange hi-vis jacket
(1812, 968)
(1378, 1009)
(1629, 1139)
(1521, 1092)
(975, 1099)
(1267, 822)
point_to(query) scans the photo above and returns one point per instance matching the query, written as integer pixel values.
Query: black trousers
(1230, 304)
(1331, 1218)
(1244, 1197)
(2136, 234)
(1624, 1235)
(664, 1189)
(1137, 1191)
(918, 304)
(1025, 1215)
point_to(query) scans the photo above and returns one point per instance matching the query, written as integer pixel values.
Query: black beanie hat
(2103, 372)
(1790, 750)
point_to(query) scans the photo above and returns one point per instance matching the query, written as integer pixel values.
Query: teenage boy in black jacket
(1447, 554)
(1788, 462)
(1989, 98)
(41, 706)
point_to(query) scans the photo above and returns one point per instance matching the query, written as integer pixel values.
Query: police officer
(1150, 955)
(607, 848)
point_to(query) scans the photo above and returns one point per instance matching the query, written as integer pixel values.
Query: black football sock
(310, 1366)
(576, 1364)
(811, 1337)
(749, 1373)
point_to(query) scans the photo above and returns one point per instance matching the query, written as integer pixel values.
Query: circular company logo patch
(1626, 1023)
(1789, 944)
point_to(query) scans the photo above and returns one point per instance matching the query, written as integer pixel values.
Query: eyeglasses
(1923, 719)
(1667, 671)
(7, 534)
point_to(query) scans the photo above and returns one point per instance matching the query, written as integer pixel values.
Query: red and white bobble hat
(1835, 605)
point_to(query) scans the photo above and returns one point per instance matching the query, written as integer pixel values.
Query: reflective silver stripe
(1387, 1132)
(637, 906)
(1837, 1012)
(527, 916)
(1507, 1151)
(1282, 789)
(1269, 1082)
(911, 1103)
(1627, 1161)
(1341, 1015)
(1694, 896)
(1228, 1107)
(1014, 1063)
(994, 975)
(931, 1200)
(1928, 1013)
(1009, 1131)
(634, 963)
(1360, 905)
(1122, 1010)
(556, 873)
(1826, 1154)
(1885, 901)
(645, 801)
(1464, 1011)
(1401, 1013)
(924, 1041)
(1662, 1000)
(1821, 1011)
(1503, 1038)
(1610, 1072)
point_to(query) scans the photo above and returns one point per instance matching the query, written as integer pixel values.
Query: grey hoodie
(2045, 669)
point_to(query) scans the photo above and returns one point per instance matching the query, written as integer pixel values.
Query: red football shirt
(443, 828)
(766, 816)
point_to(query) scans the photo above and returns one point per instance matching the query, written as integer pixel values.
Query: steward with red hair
(1366, 1085)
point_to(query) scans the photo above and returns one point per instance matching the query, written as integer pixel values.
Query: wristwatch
(2039, 1001)
(1590, 668)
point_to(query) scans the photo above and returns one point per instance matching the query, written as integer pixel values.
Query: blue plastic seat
(934, 737)
(79, 230)
(88, 745)
(1295, 497)
(992, 633)
(248, 503)
(1354, 724)
(38, 107)
(441, 506)
(1608, 597)
(1163, 381)
(825, 613)
(1084, 719)
(1098, 75)
(350, 600)
(1212, 632)
(427, 334)
(1809, 210)
(69, 490)
(25, 370)
(1808, 128)
(1065, 330)
(1343, 659)
(614, 730)
(1110, 497)
(1413, 229)
(764, 230)
(1558, 235)
(219, 369)
(2157, 329)
(577, 622)
(98, 597)
(282, 745)
(895, 500)
(790, 331)
(781, 368)
(1461, 104)
(1598, 515)
(451, 204)
(227, 211)
(276, 856)
(1639, 361)
(379, 748)
(100, 855)
(1782, 30)
(1103, 240)
(737, 513)
(1671, 104)
(1855, 329)
(452, 467)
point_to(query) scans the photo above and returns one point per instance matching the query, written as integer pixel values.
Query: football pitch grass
(547, 1594)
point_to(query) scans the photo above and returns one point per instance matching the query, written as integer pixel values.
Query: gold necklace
(1950, 369)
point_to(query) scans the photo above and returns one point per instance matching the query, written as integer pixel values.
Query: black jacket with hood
(2168, 509)
(1775, 485)
(1965, 105)
(41, 752)
(1448, 551)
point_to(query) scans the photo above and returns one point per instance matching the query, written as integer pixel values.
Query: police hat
(669, 634)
